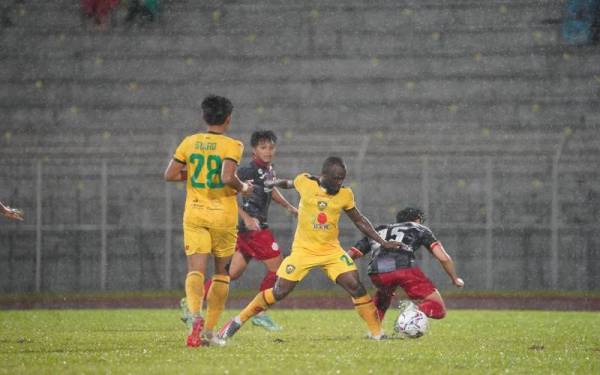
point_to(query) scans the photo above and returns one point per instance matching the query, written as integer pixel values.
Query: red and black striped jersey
(412, 236)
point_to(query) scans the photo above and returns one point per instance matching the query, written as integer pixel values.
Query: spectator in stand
(146, 10)
(98, 9)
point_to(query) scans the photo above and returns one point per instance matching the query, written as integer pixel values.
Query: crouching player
(316, 245)
(389, 270)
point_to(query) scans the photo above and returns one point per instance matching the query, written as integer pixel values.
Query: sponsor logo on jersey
(322, 205)
(321, 222)
(275, 246)
(290, 268)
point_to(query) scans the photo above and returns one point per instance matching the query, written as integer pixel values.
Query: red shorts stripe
(414, 282)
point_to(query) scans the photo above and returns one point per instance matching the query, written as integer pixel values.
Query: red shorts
(414, 282)
(259, 244)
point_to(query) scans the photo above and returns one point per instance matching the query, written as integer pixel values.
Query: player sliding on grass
(11, 213)
(316, 244)
(255, 239)
(391, 269)
(210, 216)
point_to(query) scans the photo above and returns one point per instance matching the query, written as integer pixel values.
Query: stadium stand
(429, 102)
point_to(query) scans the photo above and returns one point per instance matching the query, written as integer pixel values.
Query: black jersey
(411, 235)
(257, 204)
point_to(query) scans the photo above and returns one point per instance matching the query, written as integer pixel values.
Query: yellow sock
(194, 291)
(368, 312)
(215, 301)
(261, 302)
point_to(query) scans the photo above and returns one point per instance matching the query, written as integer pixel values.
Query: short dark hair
(215, 109)
(331, 161)
(410, 214)
(260, 135)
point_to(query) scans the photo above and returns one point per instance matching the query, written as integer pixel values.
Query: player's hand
(250, 189)
(458, 282)
(252, 223)
(14, 214)
(293, 210)
(391, 245)
(354, 253)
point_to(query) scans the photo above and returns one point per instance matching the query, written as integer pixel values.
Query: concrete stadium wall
(475, 111)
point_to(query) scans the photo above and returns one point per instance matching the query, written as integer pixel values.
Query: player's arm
(364, 225)
(360, 249)
(11, 213)
(230, 178)
(279, 183)
(280, 199)
(250, 222)
(176, 171)
(447, 263)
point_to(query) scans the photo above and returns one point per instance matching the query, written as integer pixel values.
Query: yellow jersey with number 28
(209, 202)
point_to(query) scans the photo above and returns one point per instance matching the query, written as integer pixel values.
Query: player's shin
(194, 291)
(217, 296)
(261, 302)
(368, 312)
(382, 300)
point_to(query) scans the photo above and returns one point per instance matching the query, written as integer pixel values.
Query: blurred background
(485, 114)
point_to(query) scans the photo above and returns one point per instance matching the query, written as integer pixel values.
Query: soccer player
(11, 213)
(316, 244)
(210, 215)
(255, 239)
(389, 270)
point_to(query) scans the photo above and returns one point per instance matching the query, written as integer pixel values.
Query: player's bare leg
(239, 263)
(261, 302)
(362, 302)
(194, 291)
(262, 319)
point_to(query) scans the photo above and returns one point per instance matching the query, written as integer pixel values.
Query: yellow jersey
(317, 232)
(209, 202)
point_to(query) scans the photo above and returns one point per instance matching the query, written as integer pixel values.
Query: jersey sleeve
(234, 151)
(429, 239)
(245, 173)
(181, 152)
(363, 245)
(301, 182)
(349, 201)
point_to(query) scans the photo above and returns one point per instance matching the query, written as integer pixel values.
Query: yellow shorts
(297, 265)
(202, 240)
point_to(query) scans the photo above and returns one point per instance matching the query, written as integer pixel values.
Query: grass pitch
(313, 342)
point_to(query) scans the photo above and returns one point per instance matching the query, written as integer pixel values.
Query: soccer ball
(411, 323)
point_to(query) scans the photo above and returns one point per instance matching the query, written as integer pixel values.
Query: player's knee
(433, 309)
(280, 291)
(356, 289)
(442, 314)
